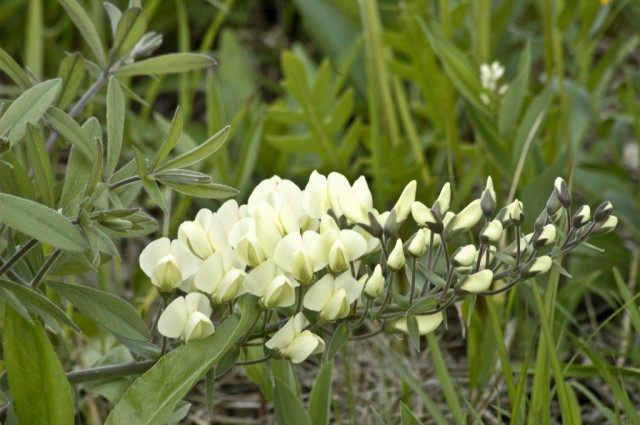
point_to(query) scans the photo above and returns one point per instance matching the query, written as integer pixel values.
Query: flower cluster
(323, 254)
(490, 76)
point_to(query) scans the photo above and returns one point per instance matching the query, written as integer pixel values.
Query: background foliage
(386, 89)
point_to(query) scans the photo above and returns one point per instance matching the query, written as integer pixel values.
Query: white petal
(301, 347)
(287, 333)
(173, 318)
(352, 287)
(243, 227)
(285, 251)
(362, 193)
(257, 279)
(319, 294)
(209, 274)
(198, 302)
(337, 186)
(355, 244)
(315, 199)
(187, 261)
(198, 326)
(152, 253)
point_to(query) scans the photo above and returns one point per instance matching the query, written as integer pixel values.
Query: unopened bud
(418, 243)
(562, 192)
(488, 199)
(603, 211)
(464, 256)
(541, 220)
(441, 205)
(375, 284)
(468, 217)
(477, 282)
(582, 216)
(546, 236)
(396, 259)
(492, 231)
(424, 216)
(537, 266)
(605, 227)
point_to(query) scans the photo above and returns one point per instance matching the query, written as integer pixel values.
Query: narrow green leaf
(209, 389)
(39, 387)
(109, 311)
(37, 303)
(14, 71)
(78, 174)
(29, 107)
(115, 124)
(9, 298)
(86, 28)
(208, 191)
(153, 396)
(170, 139)
(450, 393)
(72, 72)
(287, 406)
(71, 131)
(200, 152)
(407, 416)
(172, 63)
(320, 398)
(512, 100)
(152, 189)
(423, 305)
(338, 340)
(181, 176)
(131, 27)
(40, 222)
(40, 164)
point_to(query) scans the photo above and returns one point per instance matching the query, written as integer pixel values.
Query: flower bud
(608, 225)
(193, 235)
(418, 244)
(488, 199)
(477, 282)
(279, 293)
(562, 192)
(492, 231)
(464, 256)
(426, 323)
(553, 205)
(396, 259)
(117, 224)
(547, 235)
(512, 213)
(537, 266)
(338, 258)
(375, 284)
(337, 307)
(423, 216)
(541, 220)
(441, 205)
(603, 211)
(402, 207)
(582, 216)
(468, 217)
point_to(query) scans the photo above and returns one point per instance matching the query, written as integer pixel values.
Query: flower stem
(17, 256)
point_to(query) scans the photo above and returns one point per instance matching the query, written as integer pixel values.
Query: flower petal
(320, 293)
(152, 253)
(173, 318)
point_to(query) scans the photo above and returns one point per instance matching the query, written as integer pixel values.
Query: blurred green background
(393, 90)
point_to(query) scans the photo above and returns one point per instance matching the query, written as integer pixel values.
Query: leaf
(339, 338)
(34, 38)
(72, 132)
(287, 406)
(170, 139)
(29, 107)
(40, 222)
(152, 189)
(153, 396)
(200, 152)
(423, 305)
(37, 303)
(109, 311)
(115, 124)
(86, 28)
(209, 190)
(40, 164)
(72, 72)
(13, 70)
(131, 27)
(172, 63)
(513, 98)
(39, 387)
(407, 416)
(182, 176)
(320, 398)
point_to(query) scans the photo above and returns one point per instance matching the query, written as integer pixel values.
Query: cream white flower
(332, 296)
(281, 201)
(271, 285)
(168, 263)
(293, 255)
(464, 256)
(335, 247)
(512, 213)
(468, 217)
(221, 276)
(443, 200)
(315, 197)
(547, 236)
(540, 265)
(418, 244)
(608, 225)
(243, 237)
(492, 231)
(490, 74)
(477, 282)
(375, 283)
(353, 201)
(423, 215)
(293, 342)
(426, 323)
(402, 207)
(187, 318)
(582, 216)
(396, 259)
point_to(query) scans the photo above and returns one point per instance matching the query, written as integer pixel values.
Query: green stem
(124, 182)
(17, 256)
(111, 371)
(37, 279)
